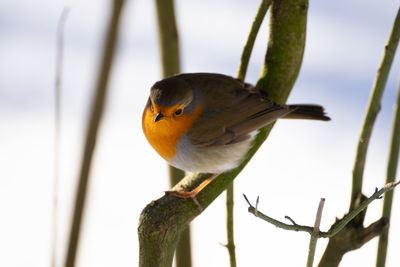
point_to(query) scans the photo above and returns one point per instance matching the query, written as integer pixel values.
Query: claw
(186, 194)
(192, 194)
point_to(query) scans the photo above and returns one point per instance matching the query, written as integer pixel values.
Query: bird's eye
(178, 112)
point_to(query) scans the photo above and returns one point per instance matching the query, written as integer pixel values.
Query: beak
(158, 117)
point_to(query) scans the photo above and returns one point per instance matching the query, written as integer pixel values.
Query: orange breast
(163, 135)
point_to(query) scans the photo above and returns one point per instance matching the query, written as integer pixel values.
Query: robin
(206, 122)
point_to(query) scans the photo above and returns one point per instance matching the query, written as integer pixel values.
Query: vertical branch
(168, 37)
(315, 234)
(183, 251)
(57, 132)
(91, 134)
(373, 109)
(355, 235)
(229, 225)
(285, 48)
(390, 177)
(241, 74)
(170, 59)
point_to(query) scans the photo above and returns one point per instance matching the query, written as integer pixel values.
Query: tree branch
(244, 62)
(251, 38)
(348, 240)
(163, 220)
(314, 235)
(390, 175)
(336, 228)
(373, 109)
(91, 134)
(168, 37)
(57, 133)
(351, 237)
(230, 245)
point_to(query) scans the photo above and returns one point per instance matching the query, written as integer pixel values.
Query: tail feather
(307, 112)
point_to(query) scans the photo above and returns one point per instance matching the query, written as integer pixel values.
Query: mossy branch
(163, 220)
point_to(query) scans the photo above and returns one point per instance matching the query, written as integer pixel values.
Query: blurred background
(301, 162)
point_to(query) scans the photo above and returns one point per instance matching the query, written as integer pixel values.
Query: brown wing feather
(246, 111)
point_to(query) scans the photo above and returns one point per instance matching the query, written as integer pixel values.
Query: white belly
(209, 160)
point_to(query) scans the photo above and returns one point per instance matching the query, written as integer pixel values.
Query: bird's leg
(192, 194)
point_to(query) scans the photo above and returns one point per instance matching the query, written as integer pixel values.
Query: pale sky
(301, 162)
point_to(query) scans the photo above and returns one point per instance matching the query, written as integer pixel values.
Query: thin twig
(244, 62)
(229, 226)
(342, 223)
(373, 109)
(251, 38)
(291, 220)
(314, 235)
(391, 173)
(57, 132)
(336, 227)
(279, 224)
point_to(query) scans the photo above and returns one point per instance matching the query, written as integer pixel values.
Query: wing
(244, 110)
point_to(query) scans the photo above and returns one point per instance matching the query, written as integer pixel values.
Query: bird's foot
(186, 194)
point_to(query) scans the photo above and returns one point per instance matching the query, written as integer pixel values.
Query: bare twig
(355, 234)
(57, 132)
(373, 109)
(291, 220)
(314, 235)
(244, 62)
(390, 175)
(251, 38)
(229, 225)
(335, 228)
(293, 227)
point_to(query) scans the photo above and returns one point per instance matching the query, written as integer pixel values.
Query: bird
(206, 122)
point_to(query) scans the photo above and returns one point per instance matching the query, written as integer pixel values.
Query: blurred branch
(373, 109)
(168, 37)
(163, 220)
(57, 132)
(170, 59)
(390, 177)
(91, 134)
